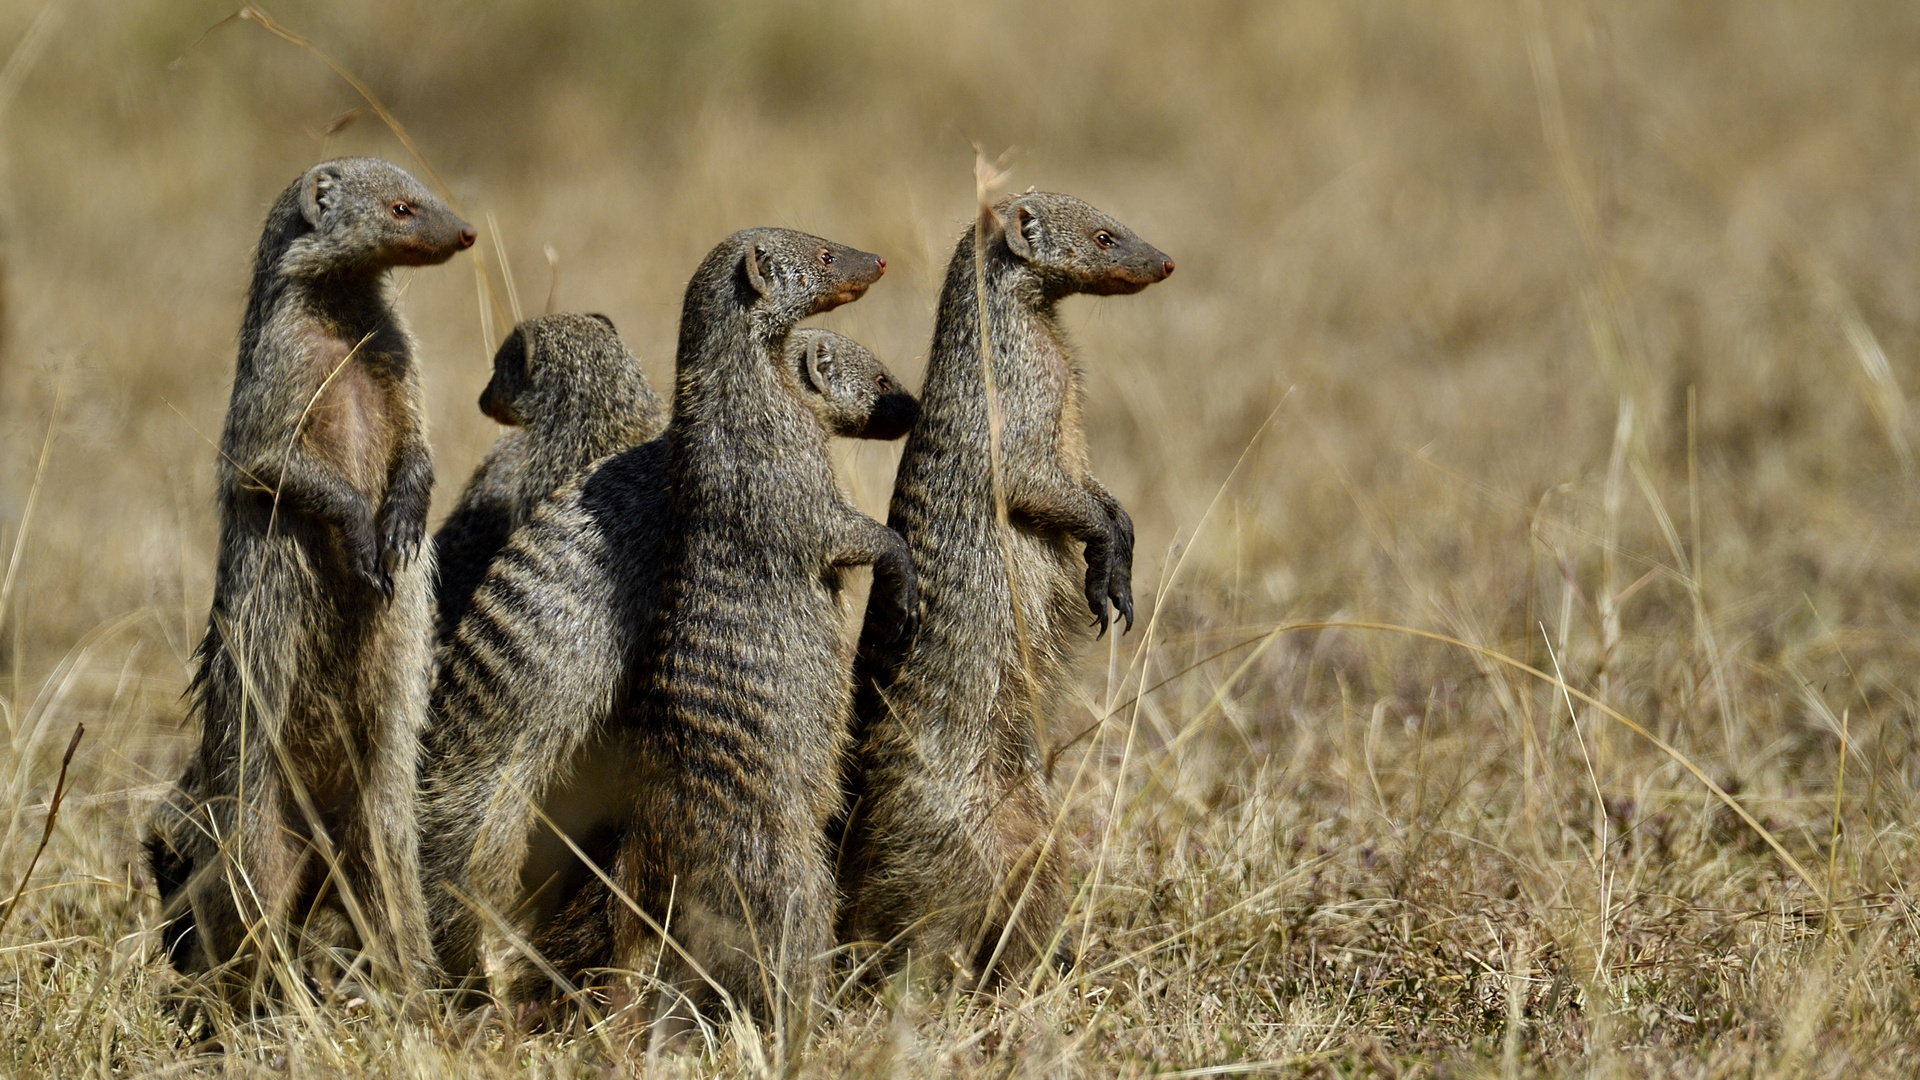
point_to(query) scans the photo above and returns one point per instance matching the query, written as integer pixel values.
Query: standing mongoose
(571, 394)
(853, 396)
(528, 679)
(312, 680)
(949, 831)
(732, 738)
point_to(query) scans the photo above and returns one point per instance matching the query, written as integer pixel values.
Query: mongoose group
(603, 730)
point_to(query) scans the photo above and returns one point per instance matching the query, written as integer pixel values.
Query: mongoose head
(557, 369)
(847, 387)
(1073, 248)
(364, 215)
(789, 275)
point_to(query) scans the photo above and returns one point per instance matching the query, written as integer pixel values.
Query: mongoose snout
(858, 269)
(893, 413)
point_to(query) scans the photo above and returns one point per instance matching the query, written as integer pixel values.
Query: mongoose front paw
(1099, 574)
(371, 567)
(899, 622)
(400, 537)
(1120, 569)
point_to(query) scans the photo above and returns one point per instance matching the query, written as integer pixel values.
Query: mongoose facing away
(311, 687)
(528, 678)
(951, 818)
(734, 732)
(571, 394)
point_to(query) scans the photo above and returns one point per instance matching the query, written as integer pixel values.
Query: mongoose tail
(948, 825)
(311, 682)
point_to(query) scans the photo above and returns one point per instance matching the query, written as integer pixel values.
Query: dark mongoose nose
(1166, 268)
(467, 237)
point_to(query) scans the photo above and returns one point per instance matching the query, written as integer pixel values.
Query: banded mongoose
(571, 394)
(951, 830)
(733, 735)
(529, 677)
(312, 680)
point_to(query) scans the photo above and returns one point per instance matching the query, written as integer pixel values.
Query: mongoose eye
(402, 210)
(1104, 238)
(826, 257)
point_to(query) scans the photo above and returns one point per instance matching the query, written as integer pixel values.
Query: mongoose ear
(755, 275)
(602, 318)
(1021, 218)
(819, 367)
(316, 191)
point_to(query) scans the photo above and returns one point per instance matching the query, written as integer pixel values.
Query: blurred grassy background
(1475, 258)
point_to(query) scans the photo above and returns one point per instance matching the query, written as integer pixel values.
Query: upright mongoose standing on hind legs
(571, 394)
(312, 680)
(948, 846)
(738, 719)
(542, 656)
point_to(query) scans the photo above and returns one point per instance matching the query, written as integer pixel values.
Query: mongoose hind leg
(249, 884)
(379, 862)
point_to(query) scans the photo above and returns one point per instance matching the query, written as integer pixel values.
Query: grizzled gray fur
(571, 394)
(733, 735)
(949, 826)
(312, 680)
(530, 676)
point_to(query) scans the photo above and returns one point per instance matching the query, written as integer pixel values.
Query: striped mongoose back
(571, 394)
(528, 679)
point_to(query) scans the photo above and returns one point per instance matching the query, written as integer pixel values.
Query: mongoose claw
(1097, 592)
(371, 567)
(400, 539)
(381, 579)
(1120, 570)
(1120, 592)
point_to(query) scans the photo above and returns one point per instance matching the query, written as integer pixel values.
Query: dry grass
(1578, 334)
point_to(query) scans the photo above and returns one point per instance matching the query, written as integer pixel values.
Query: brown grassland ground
(1580, 334)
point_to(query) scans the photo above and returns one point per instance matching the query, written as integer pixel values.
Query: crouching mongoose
(528, 678)
(571, 394)
(950, 830)
(312, 679)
